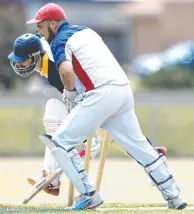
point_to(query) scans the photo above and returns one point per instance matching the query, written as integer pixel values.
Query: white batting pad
(50, 164)
(46, 139)
(55, 112)
(69, 169)
(64, 159)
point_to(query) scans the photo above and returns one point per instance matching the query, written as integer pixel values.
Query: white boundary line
(22, 209)
(138, 208)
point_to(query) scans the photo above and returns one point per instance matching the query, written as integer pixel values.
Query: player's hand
(69, 99)
(70, 105)
(70, 95)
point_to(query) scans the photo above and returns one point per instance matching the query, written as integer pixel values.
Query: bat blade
(44, 182)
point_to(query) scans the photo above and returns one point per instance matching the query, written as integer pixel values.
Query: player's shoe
(177, 204)
(83, 202)
(50, 189)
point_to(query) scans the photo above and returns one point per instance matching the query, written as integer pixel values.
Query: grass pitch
(107, 208)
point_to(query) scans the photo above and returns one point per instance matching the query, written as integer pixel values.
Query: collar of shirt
(44, 65)
(63, 26)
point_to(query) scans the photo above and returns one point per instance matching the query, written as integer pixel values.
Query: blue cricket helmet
(26, 46)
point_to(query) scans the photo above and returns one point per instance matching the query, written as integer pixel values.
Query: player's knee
(55, 112)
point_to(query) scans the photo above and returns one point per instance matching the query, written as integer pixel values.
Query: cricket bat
(45, 181)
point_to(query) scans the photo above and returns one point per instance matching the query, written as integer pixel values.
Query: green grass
(168, 126)
(173, 126)
(19, 130)
(56, 208)
(176, 127)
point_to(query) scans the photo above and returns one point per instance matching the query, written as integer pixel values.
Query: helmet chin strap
(38, 66)
(37, 70)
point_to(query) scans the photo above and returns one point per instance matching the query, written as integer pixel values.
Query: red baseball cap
(48, 12)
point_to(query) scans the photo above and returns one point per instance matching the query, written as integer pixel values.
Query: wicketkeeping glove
(95, 147)
(69, 99)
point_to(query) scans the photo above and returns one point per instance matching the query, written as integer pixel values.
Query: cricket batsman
(94, 80)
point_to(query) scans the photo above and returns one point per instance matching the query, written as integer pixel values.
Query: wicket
(104, 151)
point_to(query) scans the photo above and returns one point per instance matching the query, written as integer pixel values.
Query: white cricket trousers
(112, 108)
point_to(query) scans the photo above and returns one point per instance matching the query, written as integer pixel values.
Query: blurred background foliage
(9, 30)
(171, 69)
(171, 77)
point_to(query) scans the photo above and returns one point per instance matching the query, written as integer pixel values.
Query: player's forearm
(68, 80)
(67, 75)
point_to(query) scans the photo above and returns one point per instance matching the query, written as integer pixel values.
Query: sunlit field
(125, 187)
